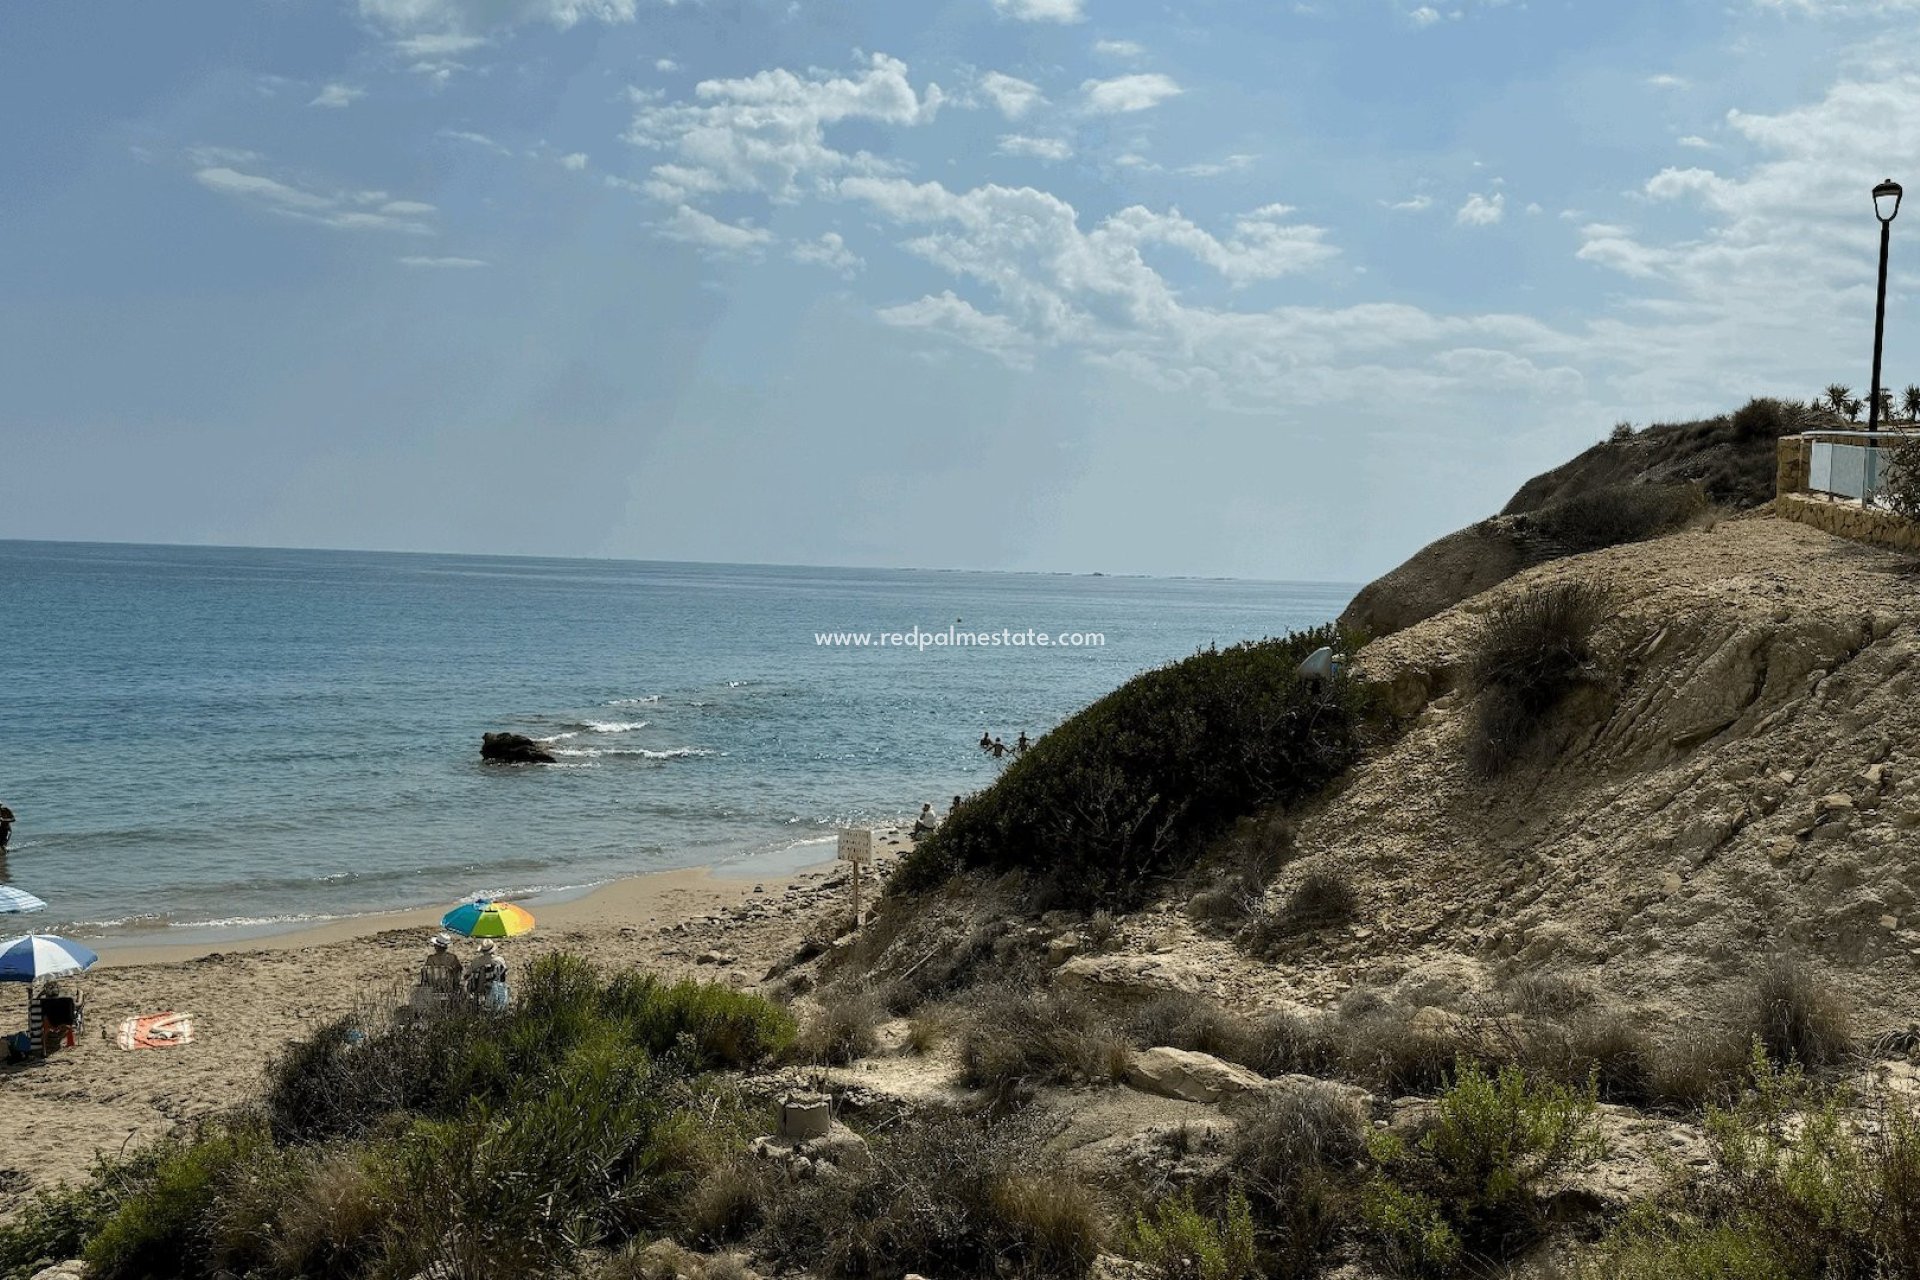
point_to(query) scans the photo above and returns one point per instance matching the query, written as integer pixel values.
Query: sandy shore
(250, 998)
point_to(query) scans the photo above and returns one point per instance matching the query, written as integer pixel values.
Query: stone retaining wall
(1847, 519)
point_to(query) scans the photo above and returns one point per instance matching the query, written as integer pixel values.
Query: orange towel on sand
(157, 1031)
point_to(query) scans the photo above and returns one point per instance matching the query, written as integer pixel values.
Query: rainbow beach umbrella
(485, 918)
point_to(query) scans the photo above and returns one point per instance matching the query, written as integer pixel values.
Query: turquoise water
(196, 736)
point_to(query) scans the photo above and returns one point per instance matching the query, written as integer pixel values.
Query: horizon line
(712, 564)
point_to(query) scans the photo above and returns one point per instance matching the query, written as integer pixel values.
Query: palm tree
(1911, 402)
(1853, 408)
(1837, 396)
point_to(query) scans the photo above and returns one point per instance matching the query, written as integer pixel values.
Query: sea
(209, 739)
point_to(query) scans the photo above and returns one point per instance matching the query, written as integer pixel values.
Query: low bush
(1322, 899)
(1699, 1066)
(1132, 788)
(162, 1226)
(1616, 514)
(1799, 1016)
(1807, 1183)
(1533, 651)
(1472, 1179)
(1181, 1242)
(1295, 1152)
(346, 1077)
(1384, 1049)
(56, 1223)
(942, 1195)
(844, 1028)
(1011, 1037)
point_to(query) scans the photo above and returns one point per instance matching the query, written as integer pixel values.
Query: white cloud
(459, 16)
(1014, 97)
(452, 264)
(337, 95)
(475, 139)
(1669, 81)
(436, 44)
(722, 239)
(1413, 204)
(959, 320)
(1214, 168)
(341, 210)
(829, 251)
(767, 133)
(576, 161)
(1049, 149)
(1118, 48)
(1694, 141)
(1424, 16)
(1482, 211)
(665, 64)
(1129, 93)
(1042, 10)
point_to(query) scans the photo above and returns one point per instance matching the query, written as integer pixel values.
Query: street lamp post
(1886, 206)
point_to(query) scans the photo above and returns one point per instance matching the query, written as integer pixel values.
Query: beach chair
(59, 1020)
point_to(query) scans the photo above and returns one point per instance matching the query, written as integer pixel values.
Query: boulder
(513, 748)
(1137, 976)
(1191, 1076)
(75, 1270)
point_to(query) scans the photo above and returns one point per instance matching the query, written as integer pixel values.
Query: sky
(1141, 286)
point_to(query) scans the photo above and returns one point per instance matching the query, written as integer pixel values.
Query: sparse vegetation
(1131, 789)
(1798, 1017)
(1533, 652)
(1472, 1181)
(1180, 1242)
(844, 1027)
(943, 1195)
(1014, 1036)
(1900, 477)
(1614, 514)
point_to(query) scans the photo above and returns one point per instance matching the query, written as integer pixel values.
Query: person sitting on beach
(926, 822)
(441, 972)
(487, 980)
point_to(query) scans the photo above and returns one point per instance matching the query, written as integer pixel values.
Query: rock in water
(513, 748)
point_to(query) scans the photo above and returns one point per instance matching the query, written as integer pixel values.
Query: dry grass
(1015, 1036)
(1800, 1016)
(1533, 651)
(844, 1028)
(1321, 899)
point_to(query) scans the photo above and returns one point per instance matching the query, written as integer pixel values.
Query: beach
(249, 999)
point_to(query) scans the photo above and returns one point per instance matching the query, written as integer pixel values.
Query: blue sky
(1192, 286)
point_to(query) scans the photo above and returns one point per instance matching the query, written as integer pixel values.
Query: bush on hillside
(1806, 1182)
(1533, 652)
(943, 1195)
(1130, 789)
(1798, 1016)
(1618, 513)
(341, 1081)
(1182, 1242)
(1473, 1181)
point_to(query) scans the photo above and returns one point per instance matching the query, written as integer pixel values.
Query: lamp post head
(1886, 200)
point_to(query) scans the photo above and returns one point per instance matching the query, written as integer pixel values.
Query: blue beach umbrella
(34, 956)
(18, 900)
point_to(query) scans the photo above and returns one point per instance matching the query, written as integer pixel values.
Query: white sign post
(856, 846)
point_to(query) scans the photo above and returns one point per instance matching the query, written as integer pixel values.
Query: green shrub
(1473, 1178)
(161, 1227)
(1648, 1246)
(945, 1195)
(56, 1223)
(1130, 789)
(1182, 1243)
(1408, 1231)
(1533, 651)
